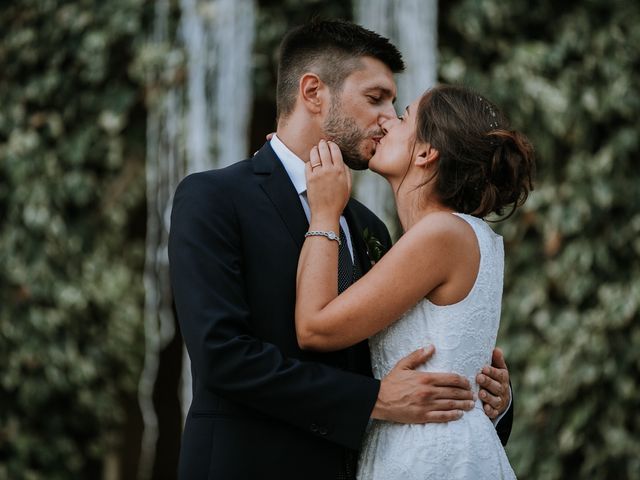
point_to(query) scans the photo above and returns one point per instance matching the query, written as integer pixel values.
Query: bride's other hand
(328, 181)
(495, 391)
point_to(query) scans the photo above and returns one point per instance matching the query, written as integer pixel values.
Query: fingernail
(460, 413)
(475, 397)
(470, 405)
(483, 395)
(427, 349)
(481, 378)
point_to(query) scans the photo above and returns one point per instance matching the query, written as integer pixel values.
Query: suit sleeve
(503, 426)
(206, 265)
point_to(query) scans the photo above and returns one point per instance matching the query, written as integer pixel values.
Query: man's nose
(388, 113)
(388, 123)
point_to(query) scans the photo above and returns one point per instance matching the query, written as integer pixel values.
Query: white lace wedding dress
(464, 335)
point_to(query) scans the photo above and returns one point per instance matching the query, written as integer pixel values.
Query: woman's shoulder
(443, 232)
(443, 223)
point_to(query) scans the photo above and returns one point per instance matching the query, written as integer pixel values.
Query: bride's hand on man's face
(328, 180)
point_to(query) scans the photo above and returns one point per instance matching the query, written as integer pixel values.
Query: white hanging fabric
(412, 26)
(195, 126)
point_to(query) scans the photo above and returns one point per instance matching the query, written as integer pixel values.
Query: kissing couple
(312, 356)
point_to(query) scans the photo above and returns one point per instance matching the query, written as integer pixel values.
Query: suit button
(313, 427)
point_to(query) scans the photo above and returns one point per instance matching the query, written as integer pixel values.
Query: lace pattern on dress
(464, 335)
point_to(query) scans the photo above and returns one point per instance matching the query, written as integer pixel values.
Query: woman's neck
(414, 203)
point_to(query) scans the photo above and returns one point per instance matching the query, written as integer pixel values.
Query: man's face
(358, 110)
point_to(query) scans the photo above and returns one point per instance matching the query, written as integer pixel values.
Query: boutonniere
(374, 246)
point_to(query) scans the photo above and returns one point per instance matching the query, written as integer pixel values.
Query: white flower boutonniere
(374, 246)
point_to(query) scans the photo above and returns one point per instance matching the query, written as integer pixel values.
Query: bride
(451, 160)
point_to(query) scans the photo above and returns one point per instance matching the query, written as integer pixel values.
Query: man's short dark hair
(331, 49)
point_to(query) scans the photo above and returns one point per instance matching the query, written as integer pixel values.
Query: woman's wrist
(325, 223)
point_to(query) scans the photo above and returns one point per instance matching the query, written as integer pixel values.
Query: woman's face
(394, 152)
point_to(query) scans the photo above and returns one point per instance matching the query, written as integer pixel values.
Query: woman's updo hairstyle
(483, 166)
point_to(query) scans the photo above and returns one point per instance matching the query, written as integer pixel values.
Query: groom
(263, 408)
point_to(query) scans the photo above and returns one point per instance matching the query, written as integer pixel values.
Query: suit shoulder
(361, 209)
(366, 214)
(216, 179)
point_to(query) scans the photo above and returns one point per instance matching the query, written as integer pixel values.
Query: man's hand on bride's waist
(410, 396)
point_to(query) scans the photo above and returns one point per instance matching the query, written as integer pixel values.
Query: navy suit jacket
(262, 408)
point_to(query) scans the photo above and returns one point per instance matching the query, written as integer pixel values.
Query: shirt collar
(293, 164)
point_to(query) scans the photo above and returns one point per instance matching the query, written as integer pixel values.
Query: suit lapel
(356, 228)
(283, 195)
(281, 192)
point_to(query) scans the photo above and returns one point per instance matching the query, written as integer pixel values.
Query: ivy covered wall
(567, 73)
(72, 127)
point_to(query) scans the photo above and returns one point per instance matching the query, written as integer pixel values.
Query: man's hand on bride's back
(410, 396)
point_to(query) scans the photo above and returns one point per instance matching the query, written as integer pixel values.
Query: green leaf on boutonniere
(374, 246)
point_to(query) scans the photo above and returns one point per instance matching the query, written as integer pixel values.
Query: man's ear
(425, 155)
(312, 92)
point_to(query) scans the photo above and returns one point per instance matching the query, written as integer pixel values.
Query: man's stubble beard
(348, 136)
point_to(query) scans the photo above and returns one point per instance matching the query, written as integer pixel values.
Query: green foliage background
(72, 221)
(567, 73)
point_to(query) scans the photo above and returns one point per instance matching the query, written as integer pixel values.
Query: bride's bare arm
(416, 265)
(419, 263)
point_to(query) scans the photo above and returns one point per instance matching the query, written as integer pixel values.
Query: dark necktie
(345, 264)
(347, 274)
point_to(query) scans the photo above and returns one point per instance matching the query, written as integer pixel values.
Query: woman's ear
(426, 155)
(312, 92)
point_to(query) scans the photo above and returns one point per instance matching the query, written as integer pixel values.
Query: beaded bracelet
(320, 233)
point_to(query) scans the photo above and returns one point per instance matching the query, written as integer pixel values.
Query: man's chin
(356, 163)
(359, 161)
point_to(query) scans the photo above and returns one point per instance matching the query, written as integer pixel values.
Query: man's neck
(299, 135)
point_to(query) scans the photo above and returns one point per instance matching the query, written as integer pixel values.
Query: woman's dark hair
(484, 166)
(331, 48)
